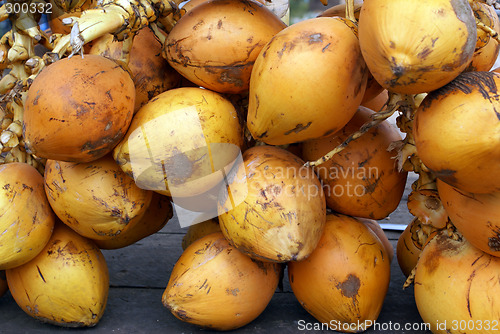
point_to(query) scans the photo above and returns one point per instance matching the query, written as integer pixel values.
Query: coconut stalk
(121, 18)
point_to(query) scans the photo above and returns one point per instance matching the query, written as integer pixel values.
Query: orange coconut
(362, 180)
(216, 43)
(345, 280)
(457, 287)
(476, 216)
(215, 286)
(456, 130)
(286, 102)
(78, 109)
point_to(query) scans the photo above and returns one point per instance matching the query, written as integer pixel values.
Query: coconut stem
(126, 47)
(394, 102)
(493, 34)
(119, 17)
(410, 278)
(349, 10)
(162, 37)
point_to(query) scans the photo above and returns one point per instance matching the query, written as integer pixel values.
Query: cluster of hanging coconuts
(277, 130)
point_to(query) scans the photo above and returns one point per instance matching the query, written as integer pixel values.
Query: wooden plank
(139, 310)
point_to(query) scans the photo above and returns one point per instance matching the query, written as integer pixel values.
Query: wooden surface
(139, 275)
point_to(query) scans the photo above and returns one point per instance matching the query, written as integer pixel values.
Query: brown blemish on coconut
(298, 128)
(350, 287)
(442, 243)
(494, 242)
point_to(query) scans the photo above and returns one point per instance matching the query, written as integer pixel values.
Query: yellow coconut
(200, 230)
(416, 46)
(457, 287)
(363, 180)
(457, 132)
(96, 199)
(373, 88)
(154, 219)
(26, 219)
(274, 208)
(476, 216)
(307, 82)
(215, 286)
(66, 284)
(216, 43)
(345, 280)
(181, 142)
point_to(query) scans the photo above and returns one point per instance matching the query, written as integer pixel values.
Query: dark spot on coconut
(362, 163)
(102, 145)
(315, 38)
(40, 273)
(178, 168)
(464, 13)
(233, 292)
(329, 132)
(441, 243)
(424, 53)
(398, 71)
(89, 104)
(181, 314)
(37, 97)
(262, 135)
(298, 128)
(350, 287)
(467, 82)
(372, 185)
(494, 242)
(233, 76)
(26, 187)
(198, 24)
(70, 248)
(56, 119)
